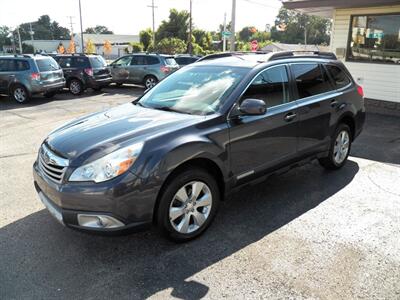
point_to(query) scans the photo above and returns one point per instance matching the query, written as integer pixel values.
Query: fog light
(98, 221)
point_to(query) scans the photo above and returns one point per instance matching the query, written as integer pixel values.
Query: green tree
(246, 33)
(171, 46)
(202, 38)
(146, 38)
(290, 27)
(98, 29)
(44, 29)
(175, 27)
(136, 47)
(4, 39)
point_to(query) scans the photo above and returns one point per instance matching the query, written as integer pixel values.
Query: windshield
(47, 64)
(197, 90)
(97, 62)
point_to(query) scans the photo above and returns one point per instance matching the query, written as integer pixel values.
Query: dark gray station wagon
(169, 157)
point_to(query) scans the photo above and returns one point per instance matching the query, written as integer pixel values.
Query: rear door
(99, 66)
(137, 68)
(262, 143)
(316, 100)
(7, 74)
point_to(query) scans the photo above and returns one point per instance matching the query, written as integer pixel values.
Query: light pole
(31, 33)
(80, 17)
(223, 35)
(19, 39)
(233, 25)
(154, 25)
(190, 46)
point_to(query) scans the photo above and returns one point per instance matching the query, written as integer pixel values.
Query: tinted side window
(310, 80)
(64, 62)
(152, 60)
(47, 64)
(80, 62)
(271, 86)
(123, 61)
(338, 75)
(6, 65)
(21, 65)
(138, 60)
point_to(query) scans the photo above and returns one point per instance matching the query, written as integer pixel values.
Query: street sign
(226, 33)
(254, 45)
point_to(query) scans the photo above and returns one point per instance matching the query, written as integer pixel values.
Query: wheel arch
(206, 164)
(349, 120)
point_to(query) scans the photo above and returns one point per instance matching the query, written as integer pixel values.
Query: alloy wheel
(341, 147)
(190, 207)
(75, 87)
(20, 94)
(150, 82)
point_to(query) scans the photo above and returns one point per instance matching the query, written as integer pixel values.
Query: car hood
(93, 136)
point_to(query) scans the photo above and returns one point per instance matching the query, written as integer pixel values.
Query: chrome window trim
(254, 78)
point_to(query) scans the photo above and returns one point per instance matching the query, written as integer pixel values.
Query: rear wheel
(188, 205)
(339, 150)
(150, 81)
(19, 93)
(75, 87)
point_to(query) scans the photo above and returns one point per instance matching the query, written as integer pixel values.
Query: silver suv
(146, 69)
(22, 76)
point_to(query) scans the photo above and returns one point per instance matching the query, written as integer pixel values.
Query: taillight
(35, 76)
(360, 90)
(165, 69)
(89, 71)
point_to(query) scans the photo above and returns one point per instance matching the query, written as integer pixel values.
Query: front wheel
(339, 150)
(188, 205)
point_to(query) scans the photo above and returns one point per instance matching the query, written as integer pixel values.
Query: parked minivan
(169, 157)
(146, 69)
(22, 76)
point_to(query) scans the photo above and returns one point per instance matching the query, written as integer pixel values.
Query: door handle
(290, 116)
(334, 103)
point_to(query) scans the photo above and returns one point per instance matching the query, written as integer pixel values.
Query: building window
(375, 38)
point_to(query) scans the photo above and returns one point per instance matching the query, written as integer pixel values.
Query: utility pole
(190, 46)
(80, 16)
(19, 39)
(223, 35)
(233, 25)
(154, 24)
(31, 33)
(71, 24)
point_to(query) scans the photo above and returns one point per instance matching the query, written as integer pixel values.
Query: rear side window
(338, 75)
(80, 62)
(21, 65)
(138, 60)
(271, 86)
(123, 61)
(7, 65)
(152, 60)
(64, 62)
(47, 64)
(310, 80)
(97, 62)
(170, 61)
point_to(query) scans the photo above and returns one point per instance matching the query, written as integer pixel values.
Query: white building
(366, 36)
(48, 46)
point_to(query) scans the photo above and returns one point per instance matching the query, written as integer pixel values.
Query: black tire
(49, 94)
(19, 93)
(185, 178)
(75, 87)
(330, 162)
(150, 81)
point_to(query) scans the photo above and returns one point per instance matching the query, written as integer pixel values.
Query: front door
(119, 69)
(137, 68)
(261, 143)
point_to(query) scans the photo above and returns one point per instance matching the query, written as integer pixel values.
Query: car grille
(51, 165)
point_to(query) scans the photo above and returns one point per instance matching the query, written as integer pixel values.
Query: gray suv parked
(22, 76)
(146, 69)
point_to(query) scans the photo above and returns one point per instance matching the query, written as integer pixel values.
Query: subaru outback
(169, 157)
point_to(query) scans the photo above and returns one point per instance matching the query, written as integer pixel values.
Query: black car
(186, 59)
(169, 157)
(82, 71)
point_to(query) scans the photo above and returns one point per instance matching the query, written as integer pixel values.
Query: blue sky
(131, 16)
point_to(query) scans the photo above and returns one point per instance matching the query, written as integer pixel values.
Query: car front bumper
(124, 202)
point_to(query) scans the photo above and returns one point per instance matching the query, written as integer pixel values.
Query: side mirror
(253, 107)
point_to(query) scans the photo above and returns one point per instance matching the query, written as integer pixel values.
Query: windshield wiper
(168, 108)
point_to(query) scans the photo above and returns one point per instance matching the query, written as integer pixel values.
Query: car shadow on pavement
(41, 259)
(380, 139)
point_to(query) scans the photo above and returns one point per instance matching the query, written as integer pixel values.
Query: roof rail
(228, 54)
(298, 53)
(22, 55)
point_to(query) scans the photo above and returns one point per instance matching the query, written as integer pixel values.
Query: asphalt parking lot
(308, 233)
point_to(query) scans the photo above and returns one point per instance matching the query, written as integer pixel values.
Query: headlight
(109, 166)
